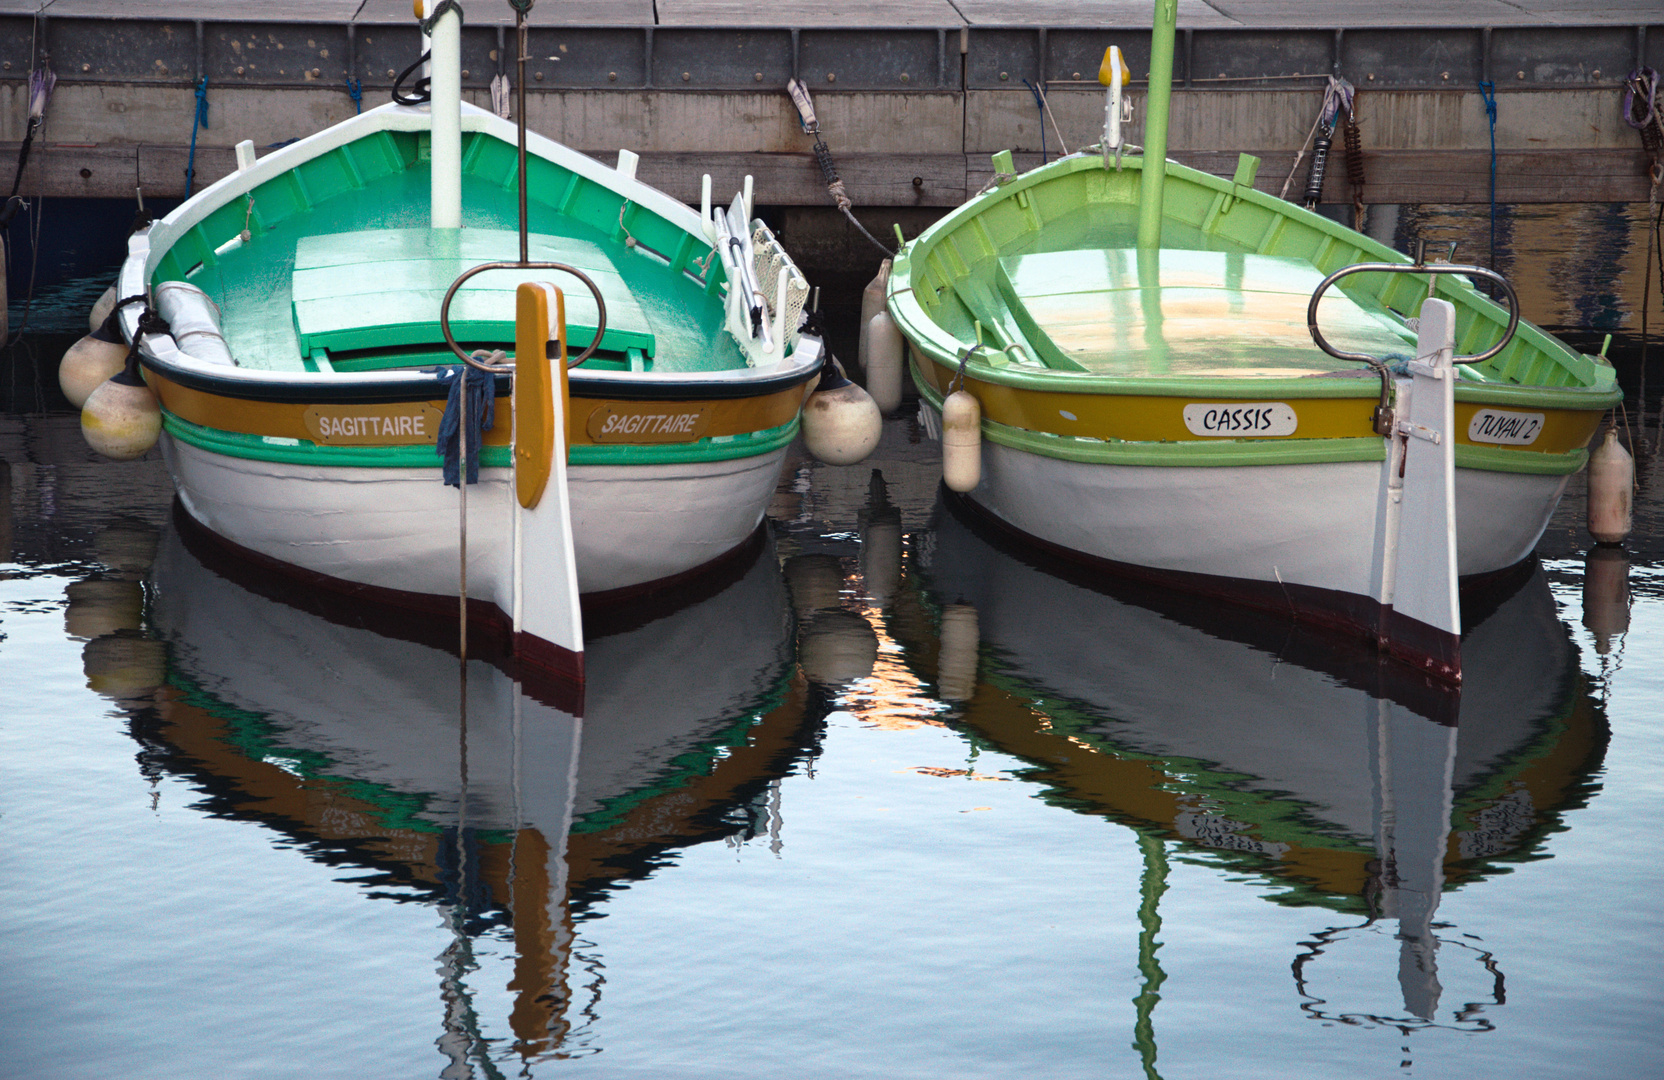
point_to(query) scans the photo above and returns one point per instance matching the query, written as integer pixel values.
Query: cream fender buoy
(99, 606)
(836, 648)
(884, 362)
(815, 582)
(872, 302)
(127, 547)
(1611, 490)
(92, 360)
(841, 424)
(101, 308)
(880, 543)
(957, 655)
(961, 441)
(121, 419)
(1606, 595)
(124, 667)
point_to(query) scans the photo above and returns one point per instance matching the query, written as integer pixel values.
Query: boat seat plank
(383, 287)
(1126, 312)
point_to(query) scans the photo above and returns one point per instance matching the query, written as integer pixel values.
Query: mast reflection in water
(1307, 768)
(1255, 745)
(475, 792)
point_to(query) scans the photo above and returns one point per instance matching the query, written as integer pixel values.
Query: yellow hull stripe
(1160, 418)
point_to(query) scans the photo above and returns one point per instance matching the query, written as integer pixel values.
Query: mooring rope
(1337, 95)
(823, 157)
(199, 120)
(1487, 90)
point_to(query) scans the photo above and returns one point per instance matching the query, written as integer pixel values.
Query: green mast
(1155, 123)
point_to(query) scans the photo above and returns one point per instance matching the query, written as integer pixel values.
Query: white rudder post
(548, 625)
(1421, 613)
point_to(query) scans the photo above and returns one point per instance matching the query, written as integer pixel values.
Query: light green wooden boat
(1151, 397)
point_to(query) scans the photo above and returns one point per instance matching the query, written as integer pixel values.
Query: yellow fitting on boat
(539, 381)
(416, 6)
(1113, 60)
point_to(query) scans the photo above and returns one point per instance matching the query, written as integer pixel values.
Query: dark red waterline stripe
(1422, 647)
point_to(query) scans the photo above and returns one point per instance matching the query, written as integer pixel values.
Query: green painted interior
(378, 288)
(341, 257)
(1045, 270)
(1122, 311)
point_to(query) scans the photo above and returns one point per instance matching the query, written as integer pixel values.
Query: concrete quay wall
(913, 95)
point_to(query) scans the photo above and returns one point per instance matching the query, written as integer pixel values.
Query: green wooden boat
(304, 370)
(1149, 393)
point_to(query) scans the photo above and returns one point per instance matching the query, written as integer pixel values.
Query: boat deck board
(379, 287)
(1190, 313)
(258, 285)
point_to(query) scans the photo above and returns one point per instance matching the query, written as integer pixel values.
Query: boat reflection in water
(1260, 747)
(479, 795)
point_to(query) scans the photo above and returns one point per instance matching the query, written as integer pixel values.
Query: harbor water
(884, 795)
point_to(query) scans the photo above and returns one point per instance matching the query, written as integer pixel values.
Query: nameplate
(1240, 420)
(397, 424)
(648, 422)
(1505, 428)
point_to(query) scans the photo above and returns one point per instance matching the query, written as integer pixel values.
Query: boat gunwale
(148, 247)
(424, 384)
(1200, 453)
(924, 333)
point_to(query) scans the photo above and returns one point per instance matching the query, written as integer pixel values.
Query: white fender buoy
(872, 302)
(121, 419)
(123, 667)
(1611, 490)
(90, 361)
(880, 543)
(885, 356)
(127, 548)
(1606, 595)
(841, 424)
(957, 653)
(961, 441)
(836, 648)
(101, 308)
(99, 606)
(815, 583)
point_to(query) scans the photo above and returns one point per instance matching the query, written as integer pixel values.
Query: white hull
(398, 528)
(1308, 524)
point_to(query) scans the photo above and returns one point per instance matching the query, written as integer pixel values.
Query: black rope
(23, 153)
(149, 323)
(423, 91)
(835, 188)
(1353, 139)
(443, 6)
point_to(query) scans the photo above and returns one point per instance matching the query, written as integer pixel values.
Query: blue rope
(1039, 103)
(482, 412)
(1487, 90)
(200, 120)
(355, 88)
